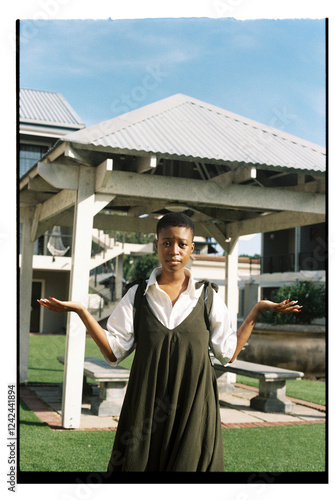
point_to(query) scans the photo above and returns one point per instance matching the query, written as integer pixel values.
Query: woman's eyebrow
(172, 238)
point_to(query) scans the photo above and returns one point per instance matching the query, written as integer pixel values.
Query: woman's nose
(174, 249)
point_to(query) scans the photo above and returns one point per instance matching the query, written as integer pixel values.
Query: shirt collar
(190, 287)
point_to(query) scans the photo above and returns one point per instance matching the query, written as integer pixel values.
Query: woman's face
(174, 247)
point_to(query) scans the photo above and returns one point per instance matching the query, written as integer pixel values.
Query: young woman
(170, 419)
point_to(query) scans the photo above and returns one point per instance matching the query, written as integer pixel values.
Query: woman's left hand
(287, 306)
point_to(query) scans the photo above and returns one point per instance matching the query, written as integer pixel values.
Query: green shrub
(309, 295)
(143, 266)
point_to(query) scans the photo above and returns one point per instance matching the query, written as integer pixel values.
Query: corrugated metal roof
(47, 108)
(186, 127)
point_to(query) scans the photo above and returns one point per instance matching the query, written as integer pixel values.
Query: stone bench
(113, 381)
(272, 383)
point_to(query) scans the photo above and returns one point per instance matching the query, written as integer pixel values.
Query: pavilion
(232, 175)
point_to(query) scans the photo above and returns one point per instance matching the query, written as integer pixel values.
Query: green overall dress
(170, 419)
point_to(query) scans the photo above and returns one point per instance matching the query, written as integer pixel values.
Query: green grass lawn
(272, 449)
(42, 449)
(293, 448)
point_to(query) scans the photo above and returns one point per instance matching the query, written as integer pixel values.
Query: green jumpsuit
(170, 419)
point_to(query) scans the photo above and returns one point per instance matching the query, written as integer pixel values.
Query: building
(44, 118)
(291, 255)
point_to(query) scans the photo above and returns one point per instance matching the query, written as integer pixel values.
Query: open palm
(60, 306)
(286, 306)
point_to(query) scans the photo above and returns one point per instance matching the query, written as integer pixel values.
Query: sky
(272, 71)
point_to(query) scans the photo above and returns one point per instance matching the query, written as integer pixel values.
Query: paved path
(45, 402)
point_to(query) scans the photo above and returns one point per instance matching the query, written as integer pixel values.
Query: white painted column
(26, 277)
(251, 296)
(231, 280)
(76, 331)
(230, 247)
(297, 238)
(119, 277)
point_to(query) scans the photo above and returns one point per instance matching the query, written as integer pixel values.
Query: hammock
(55, 244)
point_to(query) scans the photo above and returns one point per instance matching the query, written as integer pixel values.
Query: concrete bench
(272, 383)
(113, 381)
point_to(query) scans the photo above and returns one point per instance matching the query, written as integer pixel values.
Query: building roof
(184, 127)
(39, 107)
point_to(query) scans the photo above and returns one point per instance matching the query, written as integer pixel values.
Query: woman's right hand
(60, 306)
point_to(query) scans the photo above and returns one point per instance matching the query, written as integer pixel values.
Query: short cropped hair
(175, 219)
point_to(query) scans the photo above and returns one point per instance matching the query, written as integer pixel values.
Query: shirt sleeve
(223, 338)
(120, 327)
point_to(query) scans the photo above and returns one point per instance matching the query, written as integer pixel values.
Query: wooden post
(119, 277)
(231, 280)
(297, 242)
(76, 331)
(231, 268)
(26, 277)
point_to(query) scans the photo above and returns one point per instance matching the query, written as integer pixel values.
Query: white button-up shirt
(120, 325)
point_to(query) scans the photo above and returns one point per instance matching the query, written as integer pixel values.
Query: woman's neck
(173, 284)
(173, 278)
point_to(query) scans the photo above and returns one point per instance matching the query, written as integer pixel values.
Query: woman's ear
(156, 244)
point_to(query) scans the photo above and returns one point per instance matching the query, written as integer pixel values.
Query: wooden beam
(272, 222)
(50, 216)
(202, 169)
(140, 225)
(144, 163)
(56, 153)
(101, 200)
(221, 195)
(39, 184)
(146, 209)
(214, 213)
(125, 223)
(35, 221)
(317, 186)
(57, 204)
(58, 175)
(31, 198)
(238, 175)
(102, 173)
(72, 153)
(61, 219)
(216, 231)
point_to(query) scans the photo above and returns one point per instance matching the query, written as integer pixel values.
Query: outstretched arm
(244, 332)
(97, 333)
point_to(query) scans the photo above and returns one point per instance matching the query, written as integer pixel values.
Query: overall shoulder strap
(208, 297)
(142, 284)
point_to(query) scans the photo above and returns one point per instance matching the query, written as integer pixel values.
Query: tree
(141, 267)
(309, 295)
